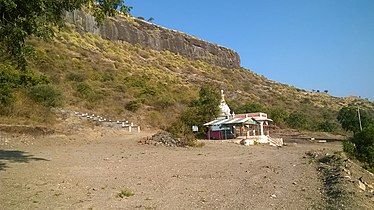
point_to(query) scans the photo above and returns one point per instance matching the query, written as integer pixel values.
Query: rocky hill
(127, 68)
(148, 35)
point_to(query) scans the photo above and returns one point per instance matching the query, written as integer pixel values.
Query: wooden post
(359, 118)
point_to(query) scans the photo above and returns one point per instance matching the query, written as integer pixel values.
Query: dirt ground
(72, 171)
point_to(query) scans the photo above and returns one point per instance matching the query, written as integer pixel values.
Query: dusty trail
(64, 173)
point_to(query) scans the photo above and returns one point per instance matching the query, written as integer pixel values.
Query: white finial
(222, 96)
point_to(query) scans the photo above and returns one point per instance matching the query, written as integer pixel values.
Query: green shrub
(125, 193)
(327, 126)
(279, 115)
(361, 146)
(6, 97)
(348, 118)
(182, 131)
(13, 78)
(148, 91)
(107, 77)
(364, 144)
(349, 148)
(29, 79)
(297, 120)
(251, 108)
(157, 119)
(47, 95)
(8, 77)
(136, 81)
(85, 91)
(164, 102)
(133, 105)
(76, 77)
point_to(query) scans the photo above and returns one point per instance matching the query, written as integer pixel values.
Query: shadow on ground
(15, 156)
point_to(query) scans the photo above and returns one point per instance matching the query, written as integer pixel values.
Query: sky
(310, 44)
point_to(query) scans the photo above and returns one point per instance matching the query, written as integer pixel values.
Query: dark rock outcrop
(152, 36)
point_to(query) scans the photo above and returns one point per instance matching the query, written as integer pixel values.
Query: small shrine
(248, 126)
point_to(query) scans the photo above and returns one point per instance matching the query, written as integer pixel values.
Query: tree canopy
(348, 118)
(20, 19)
(204, 109)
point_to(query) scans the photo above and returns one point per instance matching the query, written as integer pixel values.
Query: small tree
(364, 144)
(361, 146)
(20, 19)
(204, 109)
(348, 118)
(200, 111)
(123, 8)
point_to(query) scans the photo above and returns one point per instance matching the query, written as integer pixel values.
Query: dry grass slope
(151, 87)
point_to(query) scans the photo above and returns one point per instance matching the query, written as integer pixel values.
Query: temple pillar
(262, 128)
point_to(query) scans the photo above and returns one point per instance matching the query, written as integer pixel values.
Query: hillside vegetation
(87, 73)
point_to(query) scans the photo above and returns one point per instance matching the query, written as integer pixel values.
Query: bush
(251, 108)
(125, 193)
(279, 115)
(133, 105)
(76, 77)
(157, 119)
(182, 131)
(6, 97)
(107, 77)
(298, 121)
(13, 78)
(348, 118)
(364, 145)
(29, 79)
(164, 102)
(327, 126)
(361, 146)
(47, 95)
(349, 148)
(85, 91)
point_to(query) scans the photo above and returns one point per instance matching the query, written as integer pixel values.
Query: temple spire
(224, 108)
(222, 97)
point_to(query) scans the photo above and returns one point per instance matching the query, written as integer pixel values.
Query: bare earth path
(54, 172)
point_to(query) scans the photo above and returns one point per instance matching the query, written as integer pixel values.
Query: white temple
(248, 126)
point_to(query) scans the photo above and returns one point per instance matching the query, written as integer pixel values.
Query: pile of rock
(164, 138)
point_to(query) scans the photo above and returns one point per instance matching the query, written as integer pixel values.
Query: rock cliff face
(152, 36)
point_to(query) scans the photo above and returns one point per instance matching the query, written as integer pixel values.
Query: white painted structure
(250, 124)
(223, 107)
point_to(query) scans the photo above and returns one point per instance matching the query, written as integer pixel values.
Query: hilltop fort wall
(148, 35)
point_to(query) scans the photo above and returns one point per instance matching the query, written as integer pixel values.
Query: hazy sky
(311, 44)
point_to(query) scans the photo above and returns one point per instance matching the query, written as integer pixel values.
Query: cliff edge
(148, 35)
